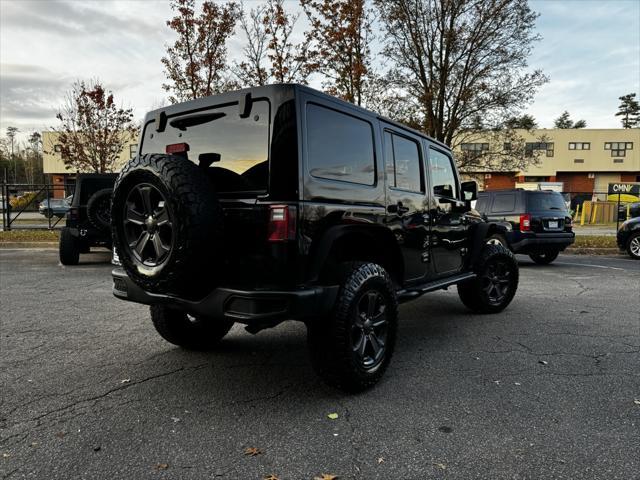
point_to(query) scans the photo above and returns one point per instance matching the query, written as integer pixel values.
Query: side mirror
(469, 191)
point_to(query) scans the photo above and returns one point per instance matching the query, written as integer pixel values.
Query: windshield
(546, 201)
(235, 150)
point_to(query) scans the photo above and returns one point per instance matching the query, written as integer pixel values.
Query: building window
(578, 160)
(618, 160)
(57, 148)
(629, 146)
(133, 148)
(618, 146)
(618, 153)
(531, 146)
(474, 147)
(579, 146)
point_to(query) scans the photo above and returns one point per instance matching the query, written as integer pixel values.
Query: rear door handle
(397, 208)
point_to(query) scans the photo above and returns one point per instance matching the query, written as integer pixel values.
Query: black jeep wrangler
(281, 202)
(89, 218)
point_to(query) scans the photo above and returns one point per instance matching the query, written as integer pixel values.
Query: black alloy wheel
(148, 226)
(496, 280)
(369, 330)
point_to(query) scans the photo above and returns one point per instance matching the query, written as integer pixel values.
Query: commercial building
(62, 178)
(583, 160)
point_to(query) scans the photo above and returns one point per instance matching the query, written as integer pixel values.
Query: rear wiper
(192, 120)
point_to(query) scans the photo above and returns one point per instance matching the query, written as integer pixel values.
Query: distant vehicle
(89, 217)
(58, 207)
(537, 222)
(628, 237)
(634, 210)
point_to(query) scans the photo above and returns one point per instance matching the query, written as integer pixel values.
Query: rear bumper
(540, 241)
(253, 307)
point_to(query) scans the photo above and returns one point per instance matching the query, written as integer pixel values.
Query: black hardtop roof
(283, 90)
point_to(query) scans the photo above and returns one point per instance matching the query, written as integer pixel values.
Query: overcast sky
(590, 50)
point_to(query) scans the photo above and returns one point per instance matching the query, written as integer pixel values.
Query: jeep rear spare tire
(167, 225)
(99, 209)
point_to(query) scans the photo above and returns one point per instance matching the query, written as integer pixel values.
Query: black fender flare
(479, 235)
(376, 234)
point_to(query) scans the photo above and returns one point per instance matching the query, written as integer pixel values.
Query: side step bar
(406, 294)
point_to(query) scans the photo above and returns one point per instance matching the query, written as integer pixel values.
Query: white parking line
(589, 265)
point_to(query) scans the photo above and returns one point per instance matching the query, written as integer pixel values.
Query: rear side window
(503, 202)
(339, 146)
(482, 203)
(403, 163)
(237, 149)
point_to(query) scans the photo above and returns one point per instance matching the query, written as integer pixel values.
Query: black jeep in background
(89, 218)
(280, 202)
(537, 222)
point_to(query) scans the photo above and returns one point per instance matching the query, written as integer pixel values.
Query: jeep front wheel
(495, 284)
(352, 349)
(188, 331)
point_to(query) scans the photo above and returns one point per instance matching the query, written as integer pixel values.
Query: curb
(593, 251)
(28, 245)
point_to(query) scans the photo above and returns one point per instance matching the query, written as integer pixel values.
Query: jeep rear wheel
(188, 331)
(352, 349)
(69, 248)
(496, 282)
(167, 225)
(544, 258)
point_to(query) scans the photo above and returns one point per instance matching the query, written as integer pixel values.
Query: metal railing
(20, 202)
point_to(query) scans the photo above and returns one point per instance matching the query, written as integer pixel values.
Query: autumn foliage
(93, 129)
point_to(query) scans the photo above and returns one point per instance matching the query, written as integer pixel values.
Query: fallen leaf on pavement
(441, 466)
(381, 460)
(252, 451)
(543, 362)
(175, 419)
(333, 416)
(271, 477)
(60, 434)
(637, 402)
(125, 380)
(326, 476)
(162, 466)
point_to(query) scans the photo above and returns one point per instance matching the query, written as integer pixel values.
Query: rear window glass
(545, 201)
(339, 146)
(481, 204)
(403, 163)
(241, 144)
(504, 202)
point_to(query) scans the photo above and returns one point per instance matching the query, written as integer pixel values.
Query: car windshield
(546, 201)
(235, 149)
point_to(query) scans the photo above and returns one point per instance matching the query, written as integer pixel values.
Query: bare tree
(341, 32)
(93, 130)
(289, 62)
(33, 157)
(455, 61)
(196, 64)
(11, 135)
(252, 70)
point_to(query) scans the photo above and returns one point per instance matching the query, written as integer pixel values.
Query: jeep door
(449, 225)
(406, 205)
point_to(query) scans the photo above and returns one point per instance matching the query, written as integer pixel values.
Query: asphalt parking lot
(550, 388)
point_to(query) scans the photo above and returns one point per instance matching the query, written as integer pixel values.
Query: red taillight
(177, 148)
(282, 223)
(525, 222)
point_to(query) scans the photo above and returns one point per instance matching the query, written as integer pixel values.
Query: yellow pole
(594, 213)
(584, 211)
(577, 215)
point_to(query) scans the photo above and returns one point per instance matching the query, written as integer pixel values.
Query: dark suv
(280, 202)
(88, 218)
(536, 222)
